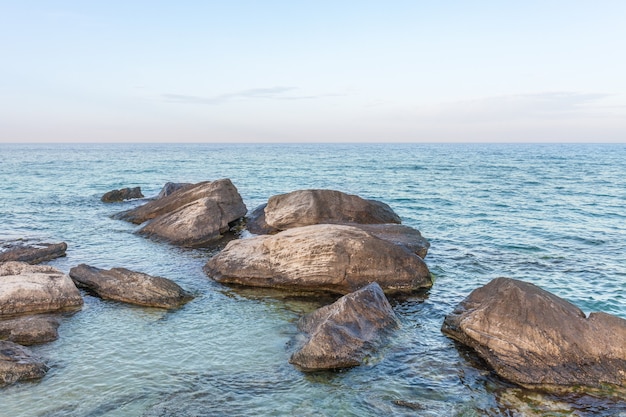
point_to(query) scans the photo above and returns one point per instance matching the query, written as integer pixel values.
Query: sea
(550, 214)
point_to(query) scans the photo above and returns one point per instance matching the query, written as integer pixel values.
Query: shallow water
(549, 214)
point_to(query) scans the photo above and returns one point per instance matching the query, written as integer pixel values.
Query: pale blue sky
(328, 71)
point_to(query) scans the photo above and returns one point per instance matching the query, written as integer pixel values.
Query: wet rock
(538, 340)
(223, 192)
(18, 363)
(121, 284)
(35, 253)
(256, 224)
(308, 207)
(333, 258)
(28, 288)
(342, 334)
(171, 187)
(121, 195)
(30, 330)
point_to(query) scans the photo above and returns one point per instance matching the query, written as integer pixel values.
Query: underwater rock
(538, 340)
(342, 334)
(121, 284)
(333, 258)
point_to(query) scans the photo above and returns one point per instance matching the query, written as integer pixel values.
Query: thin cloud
(272, 93)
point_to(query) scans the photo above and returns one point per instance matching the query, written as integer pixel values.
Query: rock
(333, 258)
(121, 284)
(28, 288)
(196, 224)
(256, 224)
(400, 235)
(30, 330)
(342, 334)
(121, 195)
(34, 254)
(171, 187)
(223, 192)
(18, 363)
(307, 207)
(538, 340)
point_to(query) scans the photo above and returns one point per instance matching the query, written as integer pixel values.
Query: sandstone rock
(171, 187)
(196, 224)
(121, 195)
(131, 287)
(342, 334)
(34, 254)
(538, 340)
(28, 288)
(307, 207)
(400, 235)
(18, 363)
(30, 330)
(223, 192)
(333, 258)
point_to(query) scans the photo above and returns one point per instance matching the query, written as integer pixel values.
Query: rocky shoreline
(315, 241)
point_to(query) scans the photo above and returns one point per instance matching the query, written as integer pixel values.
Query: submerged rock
(333, 258)
(30, 330)
(121, 284)
(308, 207)
(34, 253)
(121, 195)
(342, 334)
(538, 340)
(28, 288)
(18, 363)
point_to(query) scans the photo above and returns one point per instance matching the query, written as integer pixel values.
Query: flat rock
(342, 334)
(538, 340)
(34, 253)
(28, 288)
(121, 284)
(18, 363)
(30, 330)
(308, 207)
(121, 195)
(334, 258)
(223, 192)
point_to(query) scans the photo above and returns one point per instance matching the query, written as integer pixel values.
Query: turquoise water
(550, 214)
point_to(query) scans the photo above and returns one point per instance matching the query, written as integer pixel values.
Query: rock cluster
(192, 216)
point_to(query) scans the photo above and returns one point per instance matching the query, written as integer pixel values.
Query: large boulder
(121, 195)
(196, 224)
(333, 258)
(28, 288)
(538, 340)
(223, 192)
(121, 284)
(399, 234)
(34, 253)
(30, 330)
(308, 207)
(18, 363)
(344, 333)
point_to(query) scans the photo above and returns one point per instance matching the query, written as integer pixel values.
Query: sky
(312, 71)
